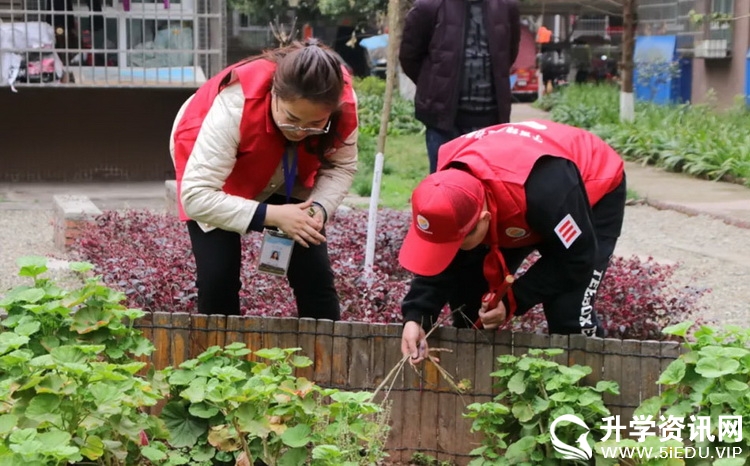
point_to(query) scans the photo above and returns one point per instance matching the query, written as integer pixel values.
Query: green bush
(586, 106)
(223, 404)
(71, 391)
(370, 99)
(695, 139)
(370, 85)
(68, 385)
(710, 380)
(534, 391)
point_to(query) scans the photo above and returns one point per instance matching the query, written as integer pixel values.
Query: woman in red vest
(269, 143)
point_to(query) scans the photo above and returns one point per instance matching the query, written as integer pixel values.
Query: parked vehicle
(525, 84)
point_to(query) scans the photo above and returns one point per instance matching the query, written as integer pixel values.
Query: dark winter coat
(432, 55)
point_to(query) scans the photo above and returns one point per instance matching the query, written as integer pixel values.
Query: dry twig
(396, 370)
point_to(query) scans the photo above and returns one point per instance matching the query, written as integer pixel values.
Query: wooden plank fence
(426, 414)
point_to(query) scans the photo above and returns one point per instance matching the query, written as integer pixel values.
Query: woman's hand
(318, 214)
(296, 221)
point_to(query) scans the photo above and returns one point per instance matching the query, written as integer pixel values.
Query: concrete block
(170, 197)
(71, 213)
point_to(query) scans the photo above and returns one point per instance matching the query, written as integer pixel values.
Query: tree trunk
(396, 10)
(627, 101)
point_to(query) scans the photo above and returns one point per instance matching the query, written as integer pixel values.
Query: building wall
(87, 134)
(725, 76)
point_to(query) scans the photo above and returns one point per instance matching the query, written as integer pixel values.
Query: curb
(664, 205)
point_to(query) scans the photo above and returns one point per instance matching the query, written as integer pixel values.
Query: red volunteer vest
(261, 144)
(502, 156)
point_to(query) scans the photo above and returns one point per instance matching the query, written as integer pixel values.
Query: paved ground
(728, 202)
(711, 243)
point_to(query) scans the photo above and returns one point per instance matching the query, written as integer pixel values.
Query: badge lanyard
(276, 248)
(290, 172)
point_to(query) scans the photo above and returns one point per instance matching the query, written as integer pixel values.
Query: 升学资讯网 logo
(583, 452)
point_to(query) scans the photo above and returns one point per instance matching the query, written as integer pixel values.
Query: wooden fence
(426, 413)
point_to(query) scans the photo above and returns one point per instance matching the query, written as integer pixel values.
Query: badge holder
(275, 253)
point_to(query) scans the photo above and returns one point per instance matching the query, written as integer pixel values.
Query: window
(721, 29)
(118, 42)
(250, 32)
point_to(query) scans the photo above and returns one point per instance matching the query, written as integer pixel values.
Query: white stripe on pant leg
(585, 320)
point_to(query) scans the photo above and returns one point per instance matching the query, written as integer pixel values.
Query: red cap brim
(426, 257)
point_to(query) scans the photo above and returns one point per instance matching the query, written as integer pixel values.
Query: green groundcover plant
(709, 385)
(534, 390)
(223, 404)
(69, 389)
(74, 389)
(699, 140)
(697, 420)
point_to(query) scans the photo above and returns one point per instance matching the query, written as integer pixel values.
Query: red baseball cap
(445, 208)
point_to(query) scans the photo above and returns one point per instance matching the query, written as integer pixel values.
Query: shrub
(370, 101)
(535, 391)
(709, 381)
(148, 256)
(222, 405)
(695, 139)
(71, 392)
(586, 106)
(68, 385)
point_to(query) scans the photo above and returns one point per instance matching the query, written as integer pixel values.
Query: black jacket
(553, 189)
(432, 55)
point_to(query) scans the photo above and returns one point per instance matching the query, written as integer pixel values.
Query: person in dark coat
(459, 53)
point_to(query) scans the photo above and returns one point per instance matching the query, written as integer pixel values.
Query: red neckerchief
(494, 268)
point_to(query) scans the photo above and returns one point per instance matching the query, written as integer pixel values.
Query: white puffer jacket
(213, 159)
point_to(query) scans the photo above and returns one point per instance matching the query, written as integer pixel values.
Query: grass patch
(405, 166)
(700, 140)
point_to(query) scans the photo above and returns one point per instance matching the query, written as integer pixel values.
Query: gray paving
(728, 202)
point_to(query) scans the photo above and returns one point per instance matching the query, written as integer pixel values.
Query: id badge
(275, 253)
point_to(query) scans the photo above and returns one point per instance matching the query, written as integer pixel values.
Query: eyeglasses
(299, 129)
(311, 131)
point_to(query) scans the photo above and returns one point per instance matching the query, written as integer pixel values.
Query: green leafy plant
(586, 105)
(534, 391)
(699, 19)
(69, 389)
(225, 406)
(370, 100)
(710, 380)
(422, 459)
(694, 139)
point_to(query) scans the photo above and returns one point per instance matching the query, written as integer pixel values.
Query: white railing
(150, 43)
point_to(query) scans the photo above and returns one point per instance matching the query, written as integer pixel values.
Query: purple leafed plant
(148, 256)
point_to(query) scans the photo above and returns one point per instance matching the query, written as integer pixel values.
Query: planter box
(426, 414)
